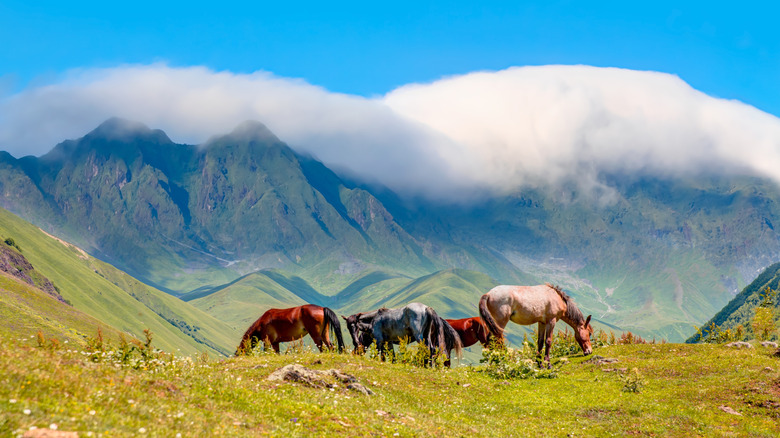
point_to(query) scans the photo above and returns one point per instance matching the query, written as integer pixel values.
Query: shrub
(632, 381)
(713, 334)
(502, 362)
(10, 242)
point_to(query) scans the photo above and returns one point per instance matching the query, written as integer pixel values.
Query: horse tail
(441, 335)
(335, 326)
(487, 317)
(452, 338)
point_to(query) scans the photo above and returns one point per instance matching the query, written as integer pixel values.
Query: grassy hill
(683, 390)
(116, 299)
(25, 310)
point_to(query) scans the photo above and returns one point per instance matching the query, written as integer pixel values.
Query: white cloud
(541, 124)
(485, 130)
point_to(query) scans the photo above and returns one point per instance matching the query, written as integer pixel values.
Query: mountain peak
(117, 128)
(253, 130)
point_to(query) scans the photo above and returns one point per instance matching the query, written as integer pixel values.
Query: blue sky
(432, 98)
(725, 49)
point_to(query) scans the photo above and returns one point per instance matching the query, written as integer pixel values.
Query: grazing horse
(544, 304)
(415, 321)
(285, 325)
(471, 331)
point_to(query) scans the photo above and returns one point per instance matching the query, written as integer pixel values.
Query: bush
(713, 334)
(502, 362)
(11, 242)
(632, 381)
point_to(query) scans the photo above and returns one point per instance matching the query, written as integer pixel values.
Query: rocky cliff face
(15, 264)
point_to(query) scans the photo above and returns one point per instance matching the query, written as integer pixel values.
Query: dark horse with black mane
(543, 304)
(285, 325)
(416, 321)
(471, 331)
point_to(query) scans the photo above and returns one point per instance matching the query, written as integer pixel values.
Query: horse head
(359, 330)
(582, 334)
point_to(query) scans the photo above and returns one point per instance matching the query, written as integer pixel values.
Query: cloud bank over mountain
(456, 137)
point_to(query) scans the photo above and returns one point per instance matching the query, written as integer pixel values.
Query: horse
(543, 304)
(285, 325)
(471, 330)
(415, 321)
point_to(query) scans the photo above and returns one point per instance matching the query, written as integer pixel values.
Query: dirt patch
(49, 433)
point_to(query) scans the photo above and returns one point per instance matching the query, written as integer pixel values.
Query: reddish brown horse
(471, 330)
(285, 325)
(544, 304)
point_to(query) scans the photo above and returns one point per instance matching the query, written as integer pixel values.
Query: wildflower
(142, 430)
(12, 401)
(53, 426)
(27, 412)
(91, 412)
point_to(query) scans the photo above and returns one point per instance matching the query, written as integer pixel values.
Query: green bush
(502, 362)
(11, 242)
(632, 381)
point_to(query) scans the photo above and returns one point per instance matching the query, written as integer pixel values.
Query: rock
(317, 379)
(298, 373)
(601, 360)
(739, 344)
(769, 344)
(729, 410)
(357, 387)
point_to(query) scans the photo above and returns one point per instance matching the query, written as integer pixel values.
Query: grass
(681, 393)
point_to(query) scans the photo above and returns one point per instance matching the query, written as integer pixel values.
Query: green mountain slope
(741, 309)
(25, 310)
(116, 299)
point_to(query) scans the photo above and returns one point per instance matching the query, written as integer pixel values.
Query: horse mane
(573, 312)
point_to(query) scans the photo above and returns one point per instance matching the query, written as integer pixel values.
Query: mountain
(741, 309)
(98, 294)
(653, 254)
(180, 217)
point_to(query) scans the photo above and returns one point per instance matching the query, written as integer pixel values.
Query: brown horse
(285, 325)
(471, 330)
(544, 304)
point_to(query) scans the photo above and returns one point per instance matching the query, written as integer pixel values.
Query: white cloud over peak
(491, 131)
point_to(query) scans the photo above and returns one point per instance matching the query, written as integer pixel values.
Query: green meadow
(651, 390)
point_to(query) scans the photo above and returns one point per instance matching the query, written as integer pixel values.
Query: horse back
(528, 304)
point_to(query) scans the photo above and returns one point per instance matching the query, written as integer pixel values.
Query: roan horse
(544, 304)
(471, 331)
(285, 325)
(415, 321)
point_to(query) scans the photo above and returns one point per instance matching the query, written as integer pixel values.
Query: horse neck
(569, 321)
(253, 330)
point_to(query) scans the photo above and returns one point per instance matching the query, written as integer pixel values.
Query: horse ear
(345, 318)
(587, 321)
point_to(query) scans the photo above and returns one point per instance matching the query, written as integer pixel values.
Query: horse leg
(326, 337)
(275, 345)
(540, 328)
(548, 342)
(317, 339)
